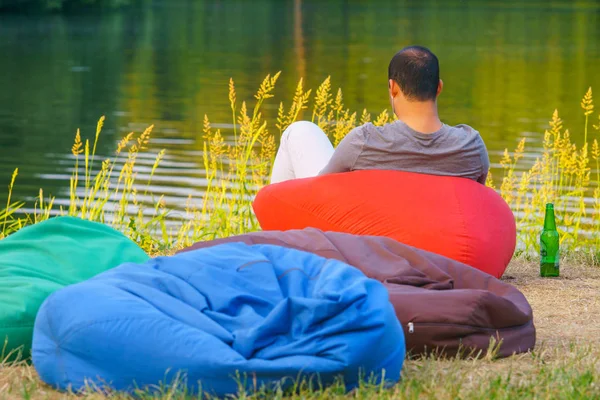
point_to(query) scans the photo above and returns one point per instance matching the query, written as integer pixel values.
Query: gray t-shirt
(452, 151)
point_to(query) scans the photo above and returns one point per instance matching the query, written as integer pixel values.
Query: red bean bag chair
(454, 217)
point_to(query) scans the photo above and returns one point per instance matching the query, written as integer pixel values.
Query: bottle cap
(549, 205)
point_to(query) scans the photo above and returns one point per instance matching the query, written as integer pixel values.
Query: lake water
(506, 66)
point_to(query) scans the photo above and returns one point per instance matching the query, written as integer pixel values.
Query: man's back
(418, 141)
(450, 151)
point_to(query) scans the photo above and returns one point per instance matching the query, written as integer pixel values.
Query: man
(417, 142)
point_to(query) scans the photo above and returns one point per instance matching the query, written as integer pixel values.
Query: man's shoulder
(467, 129)
(356, 137)
(469, 137)
(360, 133)
(369, 128)
(363, 129)
(398, 130)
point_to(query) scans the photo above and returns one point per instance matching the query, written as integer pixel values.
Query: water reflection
(506, 67)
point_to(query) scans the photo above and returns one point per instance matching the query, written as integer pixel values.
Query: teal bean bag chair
(42, 258)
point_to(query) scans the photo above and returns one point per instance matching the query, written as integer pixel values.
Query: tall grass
(562, 174)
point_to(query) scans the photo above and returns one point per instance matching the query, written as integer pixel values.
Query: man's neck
(421, 117)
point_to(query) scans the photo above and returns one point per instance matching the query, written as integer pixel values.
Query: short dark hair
(416, 70)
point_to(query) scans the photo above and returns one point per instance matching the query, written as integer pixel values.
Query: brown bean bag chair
(441, 303)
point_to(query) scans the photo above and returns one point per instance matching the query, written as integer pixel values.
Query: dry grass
(564, 364)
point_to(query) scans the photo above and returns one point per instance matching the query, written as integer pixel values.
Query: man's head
(414, 76)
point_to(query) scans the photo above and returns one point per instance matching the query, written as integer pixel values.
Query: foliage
(236, 171)
(53, 5)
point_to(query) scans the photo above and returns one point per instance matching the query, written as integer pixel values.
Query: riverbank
(121, 193)
(126, 190)
(564, 364)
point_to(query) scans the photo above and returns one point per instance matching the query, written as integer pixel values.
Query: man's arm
(346, 153)
(485, 162)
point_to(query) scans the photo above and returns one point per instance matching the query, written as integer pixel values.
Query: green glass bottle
(549, 245)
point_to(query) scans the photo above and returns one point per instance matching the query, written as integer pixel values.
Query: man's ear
(393, 88)
(440, 87)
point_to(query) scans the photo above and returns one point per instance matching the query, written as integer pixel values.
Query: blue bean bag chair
(227, 317)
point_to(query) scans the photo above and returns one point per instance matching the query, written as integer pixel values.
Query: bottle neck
(549, 222)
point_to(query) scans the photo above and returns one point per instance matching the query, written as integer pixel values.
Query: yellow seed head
(520, 149)
(76, 149)
(489, 181)
(206, 127)
(365, 117)
(231, 93)
(382, 118)
(267, 86)
(124, 142)
(14, 177)
(339, 105)
(281, 120)
(506, 160)
(587, 102)
(323, 97)
(99, 125)
(144, 138)
(555, 123)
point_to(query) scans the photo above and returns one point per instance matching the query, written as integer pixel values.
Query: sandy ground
(565, 309)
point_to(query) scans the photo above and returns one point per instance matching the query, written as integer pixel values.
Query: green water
(506, 67)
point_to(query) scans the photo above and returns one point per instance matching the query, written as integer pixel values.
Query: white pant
(304, 151)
